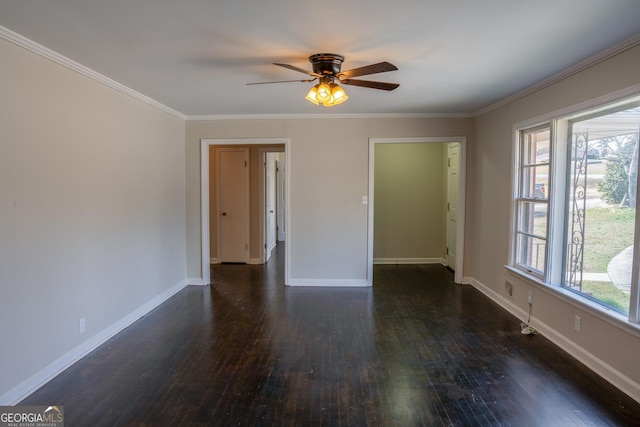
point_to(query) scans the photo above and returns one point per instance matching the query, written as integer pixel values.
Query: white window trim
(516, 181)
(599, 311)
(561, 117)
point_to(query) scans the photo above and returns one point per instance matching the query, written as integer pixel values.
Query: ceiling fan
(327, 70)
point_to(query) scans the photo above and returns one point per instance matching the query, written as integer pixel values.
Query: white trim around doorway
(462, 140)
(204, 196)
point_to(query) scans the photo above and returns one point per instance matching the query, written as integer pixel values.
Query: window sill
(610, 316)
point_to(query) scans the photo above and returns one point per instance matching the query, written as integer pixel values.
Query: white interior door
(270, 202)
(453, 187)
(281, 199)
(233, 204)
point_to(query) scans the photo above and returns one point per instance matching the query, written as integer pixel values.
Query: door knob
(224, 214)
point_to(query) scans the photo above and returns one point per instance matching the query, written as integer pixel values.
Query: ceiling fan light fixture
(312, 95)
(338, 95)
(327, 93)
(323, 93)
(327, 69)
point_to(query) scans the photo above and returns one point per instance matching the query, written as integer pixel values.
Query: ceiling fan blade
(294, 68)
(370, 84)
(281, 81)
(380, 67)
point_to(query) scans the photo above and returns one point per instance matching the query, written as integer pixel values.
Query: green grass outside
(608, 294)
(608, 231)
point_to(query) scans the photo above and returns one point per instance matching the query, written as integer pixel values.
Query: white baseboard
(497, 298)
(410, 261)
(31, 384)
(329, 282)
(600, 367)
(195, 281)
(214, 261)
(466, 281)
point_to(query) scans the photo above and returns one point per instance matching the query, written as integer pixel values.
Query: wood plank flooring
(413, 350)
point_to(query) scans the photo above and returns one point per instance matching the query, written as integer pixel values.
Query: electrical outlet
(508, 288)
(82, 325)
(530, 297)
(577, 323)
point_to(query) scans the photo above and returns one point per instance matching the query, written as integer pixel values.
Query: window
(532, 201)
(575, 205)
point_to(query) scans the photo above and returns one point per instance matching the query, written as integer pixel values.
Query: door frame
(205, 143)
(448, 192)
(462, 140)
(281, 202)
(263, 200)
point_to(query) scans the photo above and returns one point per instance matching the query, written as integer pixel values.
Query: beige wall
(91, 210)
(488, 197)
(410, 199)
(328, 177)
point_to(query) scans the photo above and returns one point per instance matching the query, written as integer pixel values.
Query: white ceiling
(195, 56)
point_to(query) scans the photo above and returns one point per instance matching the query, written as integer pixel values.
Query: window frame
(520, 199)
(551, 279)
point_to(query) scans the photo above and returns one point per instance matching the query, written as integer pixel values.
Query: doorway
(274, 203)
(446, 218)
(205, 197)
(453, 184)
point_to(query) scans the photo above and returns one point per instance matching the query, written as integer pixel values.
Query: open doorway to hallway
(274, 201)
(416, 202)
(213, 208)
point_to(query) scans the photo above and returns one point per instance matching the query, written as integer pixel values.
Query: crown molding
(330, 116)
(580, 66)
(45, 52)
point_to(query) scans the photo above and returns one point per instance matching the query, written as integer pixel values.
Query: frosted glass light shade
(312, 95)
(324, 93)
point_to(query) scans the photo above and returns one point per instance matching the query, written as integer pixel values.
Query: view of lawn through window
(575, 204)
(601, 207)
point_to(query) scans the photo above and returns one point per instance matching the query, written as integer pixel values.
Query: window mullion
(535, 236)
(557, 201)
(634, 303)
(533, 200)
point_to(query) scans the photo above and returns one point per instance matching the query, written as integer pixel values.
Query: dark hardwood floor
(415, 349)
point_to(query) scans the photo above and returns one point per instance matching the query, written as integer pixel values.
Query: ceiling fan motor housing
(326, 63)
(327, 68)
